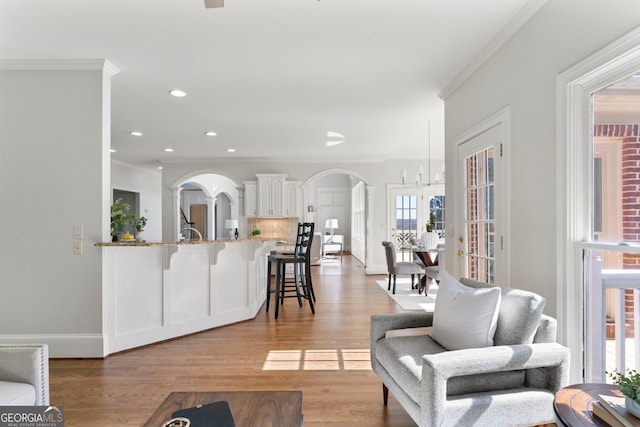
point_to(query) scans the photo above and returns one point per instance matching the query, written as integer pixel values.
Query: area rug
(408, 298)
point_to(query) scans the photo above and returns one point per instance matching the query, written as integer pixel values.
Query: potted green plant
(430, 241)
(139, 225)
(120, 216)
(431, 225)
(255, 232)
(629, 384)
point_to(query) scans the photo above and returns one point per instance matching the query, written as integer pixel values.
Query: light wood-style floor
(325, 356)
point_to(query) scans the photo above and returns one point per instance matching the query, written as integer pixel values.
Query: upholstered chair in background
(399, 268)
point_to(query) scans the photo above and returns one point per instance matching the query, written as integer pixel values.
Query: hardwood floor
(325, 355)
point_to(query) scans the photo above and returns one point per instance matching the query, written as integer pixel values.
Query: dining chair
(435, 271)
(399, 268)
(415, 243)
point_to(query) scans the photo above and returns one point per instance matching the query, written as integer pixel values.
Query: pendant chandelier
(419, 174)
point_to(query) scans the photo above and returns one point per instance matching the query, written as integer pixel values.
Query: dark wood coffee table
(249, 408)
(573, 403)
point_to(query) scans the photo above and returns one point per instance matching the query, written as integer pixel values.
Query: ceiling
(271, 78)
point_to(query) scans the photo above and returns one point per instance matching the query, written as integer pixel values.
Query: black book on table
(216, 414)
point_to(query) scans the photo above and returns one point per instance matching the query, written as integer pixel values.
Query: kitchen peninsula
(157, 291)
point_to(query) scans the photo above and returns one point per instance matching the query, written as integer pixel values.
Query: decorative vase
(633, 407)
(115, 238)
(139, 236)
(430, 239)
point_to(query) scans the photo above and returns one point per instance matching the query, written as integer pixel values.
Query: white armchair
(511, 382)
(24, 375)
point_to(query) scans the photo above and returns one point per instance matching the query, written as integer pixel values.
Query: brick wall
(630, 171)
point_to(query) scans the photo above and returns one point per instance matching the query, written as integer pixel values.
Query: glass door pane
(406, 219)
(480, 224)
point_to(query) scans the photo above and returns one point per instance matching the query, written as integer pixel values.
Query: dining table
(425, 255)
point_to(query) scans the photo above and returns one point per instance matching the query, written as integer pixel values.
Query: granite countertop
(184, 242)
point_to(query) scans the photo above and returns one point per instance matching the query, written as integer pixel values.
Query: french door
(406, 218)
(481, 222)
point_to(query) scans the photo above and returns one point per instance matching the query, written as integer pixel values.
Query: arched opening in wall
(193, 212)
(204, 202)
(336, 201)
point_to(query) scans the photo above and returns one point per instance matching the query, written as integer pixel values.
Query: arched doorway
(204, 201)
(343, 195)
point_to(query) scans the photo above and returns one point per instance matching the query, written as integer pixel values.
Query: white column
(176, 212)
(211, 218)
(369, 231)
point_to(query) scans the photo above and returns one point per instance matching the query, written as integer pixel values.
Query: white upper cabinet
(271, 195)
(250, 194)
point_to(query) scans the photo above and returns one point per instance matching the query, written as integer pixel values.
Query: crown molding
(530, 9)
(59, 64)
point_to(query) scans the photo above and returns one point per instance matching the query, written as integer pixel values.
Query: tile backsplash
(284, 229)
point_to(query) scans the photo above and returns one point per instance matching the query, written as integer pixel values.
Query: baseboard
(62, 345)
(376, 269)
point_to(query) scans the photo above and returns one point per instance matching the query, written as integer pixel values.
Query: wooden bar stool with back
(300, 285)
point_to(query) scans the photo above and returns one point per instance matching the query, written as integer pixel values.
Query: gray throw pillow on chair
(519, 315)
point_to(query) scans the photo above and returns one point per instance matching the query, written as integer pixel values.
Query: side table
(334, 243)
(573, 403)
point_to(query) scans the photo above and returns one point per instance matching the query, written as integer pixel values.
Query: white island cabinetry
(161, 291)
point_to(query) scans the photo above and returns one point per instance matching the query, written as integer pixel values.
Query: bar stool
(302, 270)
(301, 287)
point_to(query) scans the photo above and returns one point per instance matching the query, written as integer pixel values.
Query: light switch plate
(77, 248)
(77, 231)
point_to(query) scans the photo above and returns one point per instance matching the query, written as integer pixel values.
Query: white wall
(149, 185)
(522, 75)
(54, 137)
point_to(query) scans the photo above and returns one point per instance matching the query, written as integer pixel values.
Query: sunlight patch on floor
(318, 360)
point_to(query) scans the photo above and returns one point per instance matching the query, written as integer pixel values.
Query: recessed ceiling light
(210, 133)
(231, 150)
(332, 143)
(169, 150)
(160, 167)
(136, 133)
(112, 150)
(334, 138)
(178, 93)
